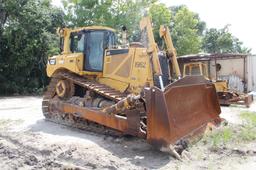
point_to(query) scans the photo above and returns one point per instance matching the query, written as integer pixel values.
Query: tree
(186, 30)
(160, 15)
(201, 26)
(112, 13)
(27, 37)
(222, 41)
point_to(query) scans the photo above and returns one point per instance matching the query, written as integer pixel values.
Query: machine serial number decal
(140, 64)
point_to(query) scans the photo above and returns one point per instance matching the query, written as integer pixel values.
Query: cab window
(94, 51)
(77, 43)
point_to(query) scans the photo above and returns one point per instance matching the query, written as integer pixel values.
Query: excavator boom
(164, 33)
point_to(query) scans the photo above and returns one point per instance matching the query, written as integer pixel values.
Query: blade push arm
(165, 34)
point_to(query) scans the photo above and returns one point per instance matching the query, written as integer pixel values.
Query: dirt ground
(27, 141)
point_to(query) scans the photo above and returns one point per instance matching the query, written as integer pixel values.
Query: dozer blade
(181, 111)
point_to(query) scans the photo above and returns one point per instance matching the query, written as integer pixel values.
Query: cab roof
(92, 28)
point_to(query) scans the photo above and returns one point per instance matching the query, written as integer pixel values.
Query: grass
(220, 137)
(247, 134)
(234, 133)
(249, 117)
(248, 130)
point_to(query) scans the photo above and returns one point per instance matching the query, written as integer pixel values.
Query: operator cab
(93, 43)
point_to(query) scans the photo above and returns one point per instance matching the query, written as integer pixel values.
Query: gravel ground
(27, 141)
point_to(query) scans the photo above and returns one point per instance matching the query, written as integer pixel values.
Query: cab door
(94, 51)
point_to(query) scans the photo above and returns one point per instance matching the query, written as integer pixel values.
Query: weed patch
(248, 130)
(220, 137)
(225, 135)
(249, 118)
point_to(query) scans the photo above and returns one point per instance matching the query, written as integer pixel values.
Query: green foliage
(201, 25)
(190, 35)
(186, 31)
(112, 13)
(160, 15)
(27, 38)
(222, 41)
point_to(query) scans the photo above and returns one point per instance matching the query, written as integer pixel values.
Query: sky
(239, 14)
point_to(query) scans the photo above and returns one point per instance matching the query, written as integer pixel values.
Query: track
(98, 88)
(71, 120)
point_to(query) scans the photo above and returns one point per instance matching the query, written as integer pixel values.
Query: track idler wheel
(65, 89)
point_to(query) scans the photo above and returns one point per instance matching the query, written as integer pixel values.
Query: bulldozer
(98, 86)
(226, 96)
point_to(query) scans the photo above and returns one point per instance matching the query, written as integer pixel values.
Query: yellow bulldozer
(226, 96)
(98, 86)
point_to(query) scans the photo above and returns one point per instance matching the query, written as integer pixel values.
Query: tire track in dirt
(17, 154)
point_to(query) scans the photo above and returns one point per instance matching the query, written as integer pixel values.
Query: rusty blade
(184, 108)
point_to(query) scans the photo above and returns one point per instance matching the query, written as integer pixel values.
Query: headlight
(52, 61)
